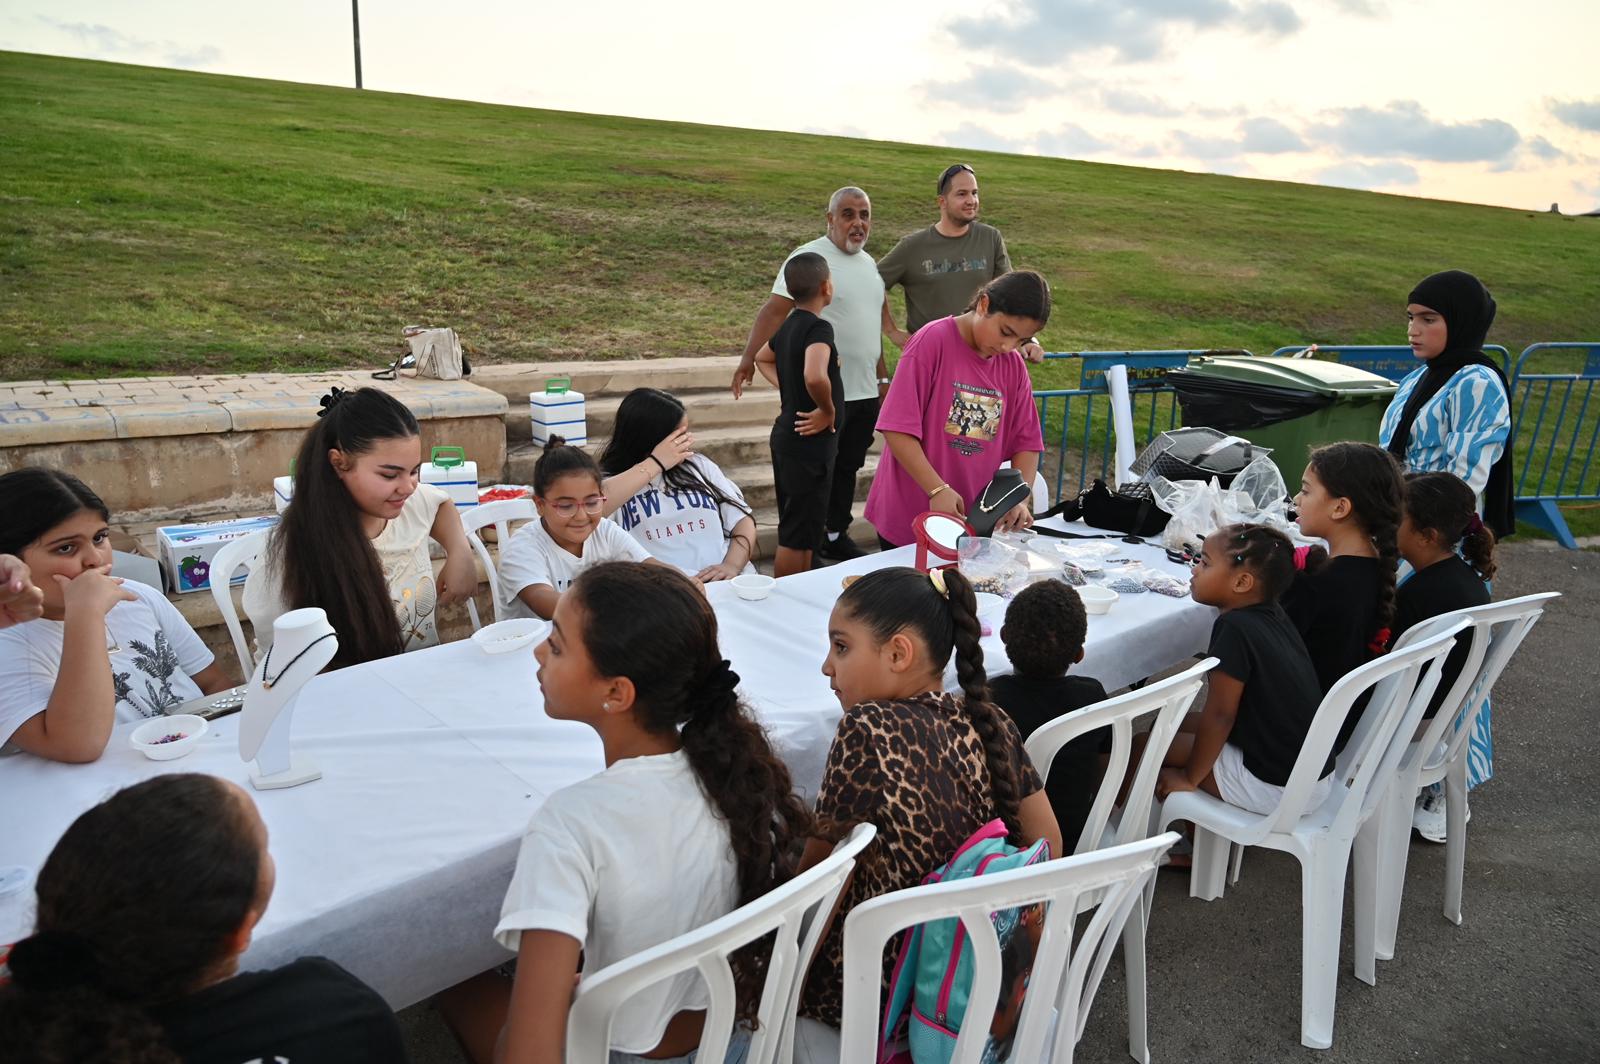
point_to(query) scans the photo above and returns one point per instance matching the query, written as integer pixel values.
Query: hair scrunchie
(1474, 525)
(720, 680)
(334, 397)
(51, 960)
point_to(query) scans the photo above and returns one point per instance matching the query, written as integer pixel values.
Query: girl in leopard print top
(927, 767)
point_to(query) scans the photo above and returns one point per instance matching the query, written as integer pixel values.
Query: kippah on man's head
(804, 274)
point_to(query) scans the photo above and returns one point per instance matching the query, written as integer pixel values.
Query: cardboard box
(187, 550)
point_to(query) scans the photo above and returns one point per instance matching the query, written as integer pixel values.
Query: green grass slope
(159, 221)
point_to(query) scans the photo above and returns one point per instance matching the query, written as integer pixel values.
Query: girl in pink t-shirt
(960, 405)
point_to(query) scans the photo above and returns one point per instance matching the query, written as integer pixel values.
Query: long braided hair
(892, 600)
(1370, 478)
(650, 624)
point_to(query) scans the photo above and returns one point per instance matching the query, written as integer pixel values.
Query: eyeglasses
(952, 171)
(567, 507)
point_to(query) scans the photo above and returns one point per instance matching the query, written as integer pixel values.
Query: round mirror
(944, 531)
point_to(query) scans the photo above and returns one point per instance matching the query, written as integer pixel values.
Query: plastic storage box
(186, 550)
(448, 468)
(558, 411)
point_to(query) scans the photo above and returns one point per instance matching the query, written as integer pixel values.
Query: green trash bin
(1288, 404)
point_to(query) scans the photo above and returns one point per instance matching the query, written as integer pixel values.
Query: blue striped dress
(1463, 430)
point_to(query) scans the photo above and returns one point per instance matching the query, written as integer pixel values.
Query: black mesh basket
(1196, 454)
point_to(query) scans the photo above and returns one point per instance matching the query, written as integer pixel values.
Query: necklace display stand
(303, 642)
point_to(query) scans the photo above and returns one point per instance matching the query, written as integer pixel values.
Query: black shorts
(803, 482)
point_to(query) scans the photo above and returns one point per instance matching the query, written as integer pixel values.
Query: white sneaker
(1429, 817)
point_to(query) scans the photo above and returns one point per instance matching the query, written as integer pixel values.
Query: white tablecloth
(395, 862)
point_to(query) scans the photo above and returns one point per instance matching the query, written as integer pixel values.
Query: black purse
(1134, 512)
(996, 500)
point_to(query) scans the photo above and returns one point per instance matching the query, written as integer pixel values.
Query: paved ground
(1518, 981)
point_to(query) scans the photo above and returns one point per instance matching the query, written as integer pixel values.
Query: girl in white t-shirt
(103, 651)
(693, 816)
(677, 504)
(354, 540)
(545, 556)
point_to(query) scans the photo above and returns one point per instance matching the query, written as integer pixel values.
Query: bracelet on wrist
(661, 465)
(937, 490)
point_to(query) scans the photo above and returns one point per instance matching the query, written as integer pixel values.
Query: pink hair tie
(1474, 525)
(1300, 555)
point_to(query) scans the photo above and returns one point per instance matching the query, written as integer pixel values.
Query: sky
(1482, 101)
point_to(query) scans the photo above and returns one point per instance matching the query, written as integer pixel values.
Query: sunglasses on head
(952, 171)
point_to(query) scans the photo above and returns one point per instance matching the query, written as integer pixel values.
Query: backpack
(933, 973)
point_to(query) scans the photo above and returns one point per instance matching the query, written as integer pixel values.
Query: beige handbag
(437, 354)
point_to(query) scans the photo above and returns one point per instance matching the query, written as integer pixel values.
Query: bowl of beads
(503, 637)
(169, 738)
(1097, 599)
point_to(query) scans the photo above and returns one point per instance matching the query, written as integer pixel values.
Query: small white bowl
(990, 605)
(753, 587)
(146, 737)
(503, 637)
(1097, 599)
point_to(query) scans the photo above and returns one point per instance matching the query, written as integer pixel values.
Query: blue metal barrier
(1554, 446)
(1394, 361)
(1147, 383)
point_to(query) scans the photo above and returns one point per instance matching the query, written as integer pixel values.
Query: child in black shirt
(1044, 631)
(1263, 694)
(802, 363)
(1441, 513)
(144, 907)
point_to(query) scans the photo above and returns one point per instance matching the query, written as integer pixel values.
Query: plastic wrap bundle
(1257, 495)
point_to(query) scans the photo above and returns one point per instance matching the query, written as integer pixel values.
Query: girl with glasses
(545, 556)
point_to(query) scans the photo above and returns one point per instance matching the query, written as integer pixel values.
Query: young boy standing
(802, 363)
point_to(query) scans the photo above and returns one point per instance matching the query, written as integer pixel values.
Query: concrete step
(515, 380)
(755, 480)
(707, 409)
(767, 533)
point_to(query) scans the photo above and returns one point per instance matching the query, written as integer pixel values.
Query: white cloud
(100, 41)
(1070, 141)
(1404, 129)
(1042, 32)
(1000, 89)
(1579, 114)
(980, 138)
(1361, 175)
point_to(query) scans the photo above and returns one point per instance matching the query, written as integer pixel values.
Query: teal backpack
(933, 974)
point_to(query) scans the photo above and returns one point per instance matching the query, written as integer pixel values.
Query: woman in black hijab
(1453, 415)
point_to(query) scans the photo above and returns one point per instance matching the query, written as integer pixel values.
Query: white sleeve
(553, 887)
(27, 679)
(193, 655)
(616, 544)
(423, 507)
(523, 563)
(731, 515)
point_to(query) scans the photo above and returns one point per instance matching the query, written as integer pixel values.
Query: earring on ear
(605, 707)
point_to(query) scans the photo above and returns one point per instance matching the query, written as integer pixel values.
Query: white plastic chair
(798, 912)
(1498, 629)
(1322, 838)
(1066, 972)
(1041, 490)
(1169, 699)
(227, 560)
(500, 514)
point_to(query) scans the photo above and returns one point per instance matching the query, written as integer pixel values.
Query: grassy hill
(160, 222)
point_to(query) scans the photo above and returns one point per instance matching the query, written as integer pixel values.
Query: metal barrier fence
(1079, 419)
(1559, 437)
(1394, 361)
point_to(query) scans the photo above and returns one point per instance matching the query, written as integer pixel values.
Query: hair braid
(986, 719)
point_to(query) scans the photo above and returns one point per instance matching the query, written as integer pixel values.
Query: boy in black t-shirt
(802, 363)
(1044, 632)
(1263, 694)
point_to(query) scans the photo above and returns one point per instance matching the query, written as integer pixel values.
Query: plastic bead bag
(1257, 496)
(993, 565)
(1126, 579)
(1166, 584)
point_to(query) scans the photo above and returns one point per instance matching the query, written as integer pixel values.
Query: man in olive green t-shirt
(942, 267)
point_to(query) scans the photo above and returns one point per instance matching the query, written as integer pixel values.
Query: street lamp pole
(355, 20)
